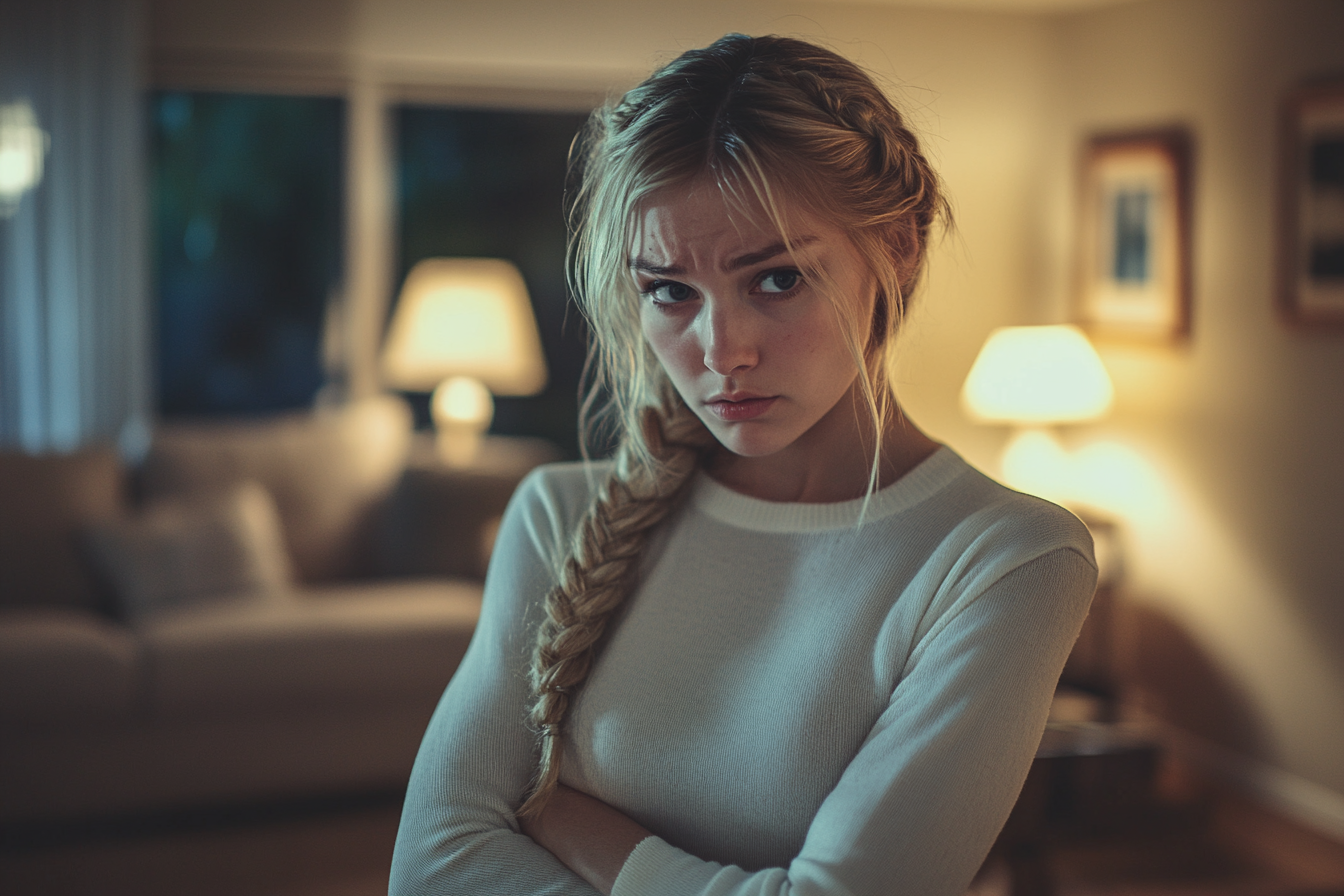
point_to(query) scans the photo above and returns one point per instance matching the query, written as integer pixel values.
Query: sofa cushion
(354, 644)
(185, 551)
(46, 499)
(65, 667)
(329, 472)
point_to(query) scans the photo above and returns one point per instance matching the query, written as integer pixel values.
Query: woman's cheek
(667, 341)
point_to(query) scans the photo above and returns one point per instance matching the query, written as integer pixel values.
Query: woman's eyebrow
(771, 251)
(657, 270)
(735, 263)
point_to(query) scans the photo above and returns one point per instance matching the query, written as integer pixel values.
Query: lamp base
(457, 447)
(462, 409)
(1036, 463)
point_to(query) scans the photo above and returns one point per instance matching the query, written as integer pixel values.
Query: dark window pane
(1327, 162)
(1327, 260)
(247, 224)
(490, 183)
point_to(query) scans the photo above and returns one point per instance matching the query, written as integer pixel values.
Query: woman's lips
(742, 409)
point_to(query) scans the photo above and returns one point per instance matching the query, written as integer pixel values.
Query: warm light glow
(465, 317)
(1034, 462)
(1113, 478)
(1037, 375)
(462, 410)
(22, 146)
(17, 169)
(462, 401)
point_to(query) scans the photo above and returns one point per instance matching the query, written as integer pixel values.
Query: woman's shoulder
(988, 528)
(560, 492)
(989, 503)
(575, 480)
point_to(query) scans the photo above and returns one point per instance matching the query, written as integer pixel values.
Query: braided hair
(760, 117)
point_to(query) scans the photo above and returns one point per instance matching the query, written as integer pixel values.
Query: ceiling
(1023, 6)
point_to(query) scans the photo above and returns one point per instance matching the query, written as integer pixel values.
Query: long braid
(601, 571)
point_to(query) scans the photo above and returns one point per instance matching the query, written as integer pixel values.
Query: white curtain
(75, 358)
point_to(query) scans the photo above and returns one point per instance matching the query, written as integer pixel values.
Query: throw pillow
(177, 552)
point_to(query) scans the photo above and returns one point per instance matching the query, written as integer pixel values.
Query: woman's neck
(829, 463)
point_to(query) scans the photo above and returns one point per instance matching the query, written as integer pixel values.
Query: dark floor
(1222, 846)
(334, 847)
(342, 848)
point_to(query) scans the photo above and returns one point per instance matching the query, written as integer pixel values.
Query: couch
(258, 610)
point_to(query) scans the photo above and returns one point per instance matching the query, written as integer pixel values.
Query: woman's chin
(748, 440)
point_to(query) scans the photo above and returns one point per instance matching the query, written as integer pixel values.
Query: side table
(444, 517)
(1088, 779)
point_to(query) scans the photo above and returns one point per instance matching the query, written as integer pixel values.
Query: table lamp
(464, 328)
(22, 147)
(1035, 378)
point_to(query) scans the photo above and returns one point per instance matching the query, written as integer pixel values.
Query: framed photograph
(1134, 236)
(1311, 251)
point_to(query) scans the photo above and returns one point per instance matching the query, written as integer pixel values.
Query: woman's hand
(591, 838)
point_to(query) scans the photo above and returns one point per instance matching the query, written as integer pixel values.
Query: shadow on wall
(1164, 672)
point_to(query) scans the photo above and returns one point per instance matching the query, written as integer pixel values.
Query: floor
(1223, 847)
(342, 848)
(339, 847)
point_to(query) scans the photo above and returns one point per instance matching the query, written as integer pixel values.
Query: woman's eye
(780, 281)
(668, 292)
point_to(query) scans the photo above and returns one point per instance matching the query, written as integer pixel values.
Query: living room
(1220, 454)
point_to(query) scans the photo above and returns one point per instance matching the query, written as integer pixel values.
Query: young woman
(783, 642)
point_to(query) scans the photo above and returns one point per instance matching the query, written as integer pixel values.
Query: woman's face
(753, 347)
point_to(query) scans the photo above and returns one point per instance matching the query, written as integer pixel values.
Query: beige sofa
(262, 609)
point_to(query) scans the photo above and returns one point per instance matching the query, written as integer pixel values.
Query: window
(247, 221)
(490, 183)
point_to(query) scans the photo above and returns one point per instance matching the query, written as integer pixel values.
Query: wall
(1233, 441)
(1236, 439)
(975, 84)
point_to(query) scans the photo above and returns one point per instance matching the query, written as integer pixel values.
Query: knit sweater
(791, 701)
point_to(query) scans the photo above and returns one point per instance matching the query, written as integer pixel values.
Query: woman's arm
(591, 838)
(920, 804)
(458, 831)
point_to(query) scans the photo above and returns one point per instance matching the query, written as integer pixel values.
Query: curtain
(75, 365)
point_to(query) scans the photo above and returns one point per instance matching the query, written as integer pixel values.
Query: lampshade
(1037, 375)
(464, 317)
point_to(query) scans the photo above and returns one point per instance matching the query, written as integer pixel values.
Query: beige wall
(1234, 441)
(1239, 549)
(976, 85)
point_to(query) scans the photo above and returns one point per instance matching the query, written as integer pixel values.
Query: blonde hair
(763, 118)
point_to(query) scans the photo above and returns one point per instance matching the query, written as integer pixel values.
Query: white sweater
(790, 703)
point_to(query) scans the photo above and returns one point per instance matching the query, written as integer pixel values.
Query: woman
(783, 642)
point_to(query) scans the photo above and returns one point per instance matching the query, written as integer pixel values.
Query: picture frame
(1134, 236)
(1311, 206)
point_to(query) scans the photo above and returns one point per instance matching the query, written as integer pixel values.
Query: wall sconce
(464, 327)
(22, 147)
(1035, 378)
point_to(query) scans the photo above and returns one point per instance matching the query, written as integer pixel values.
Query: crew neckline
(721, 503)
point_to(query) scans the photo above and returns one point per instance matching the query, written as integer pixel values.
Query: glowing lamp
(22, 147)
(1037, 375)
(464, 328)
(1034, 378)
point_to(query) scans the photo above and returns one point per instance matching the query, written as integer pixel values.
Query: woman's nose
(727, 338)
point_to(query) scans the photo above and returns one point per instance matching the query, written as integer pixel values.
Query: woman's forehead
(705, 214)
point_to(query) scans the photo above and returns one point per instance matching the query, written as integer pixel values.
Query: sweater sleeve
(458, 832)
(921, 803)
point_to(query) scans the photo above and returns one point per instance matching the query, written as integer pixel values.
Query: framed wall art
(1134, 236)
(1311, 193)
